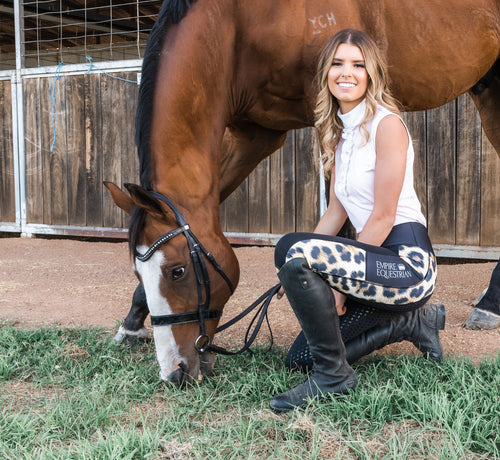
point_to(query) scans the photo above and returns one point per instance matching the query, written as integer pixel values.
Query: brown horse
(222, 83)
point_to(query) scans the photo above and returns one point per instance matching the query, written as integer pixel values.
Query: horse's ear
(120, 198)
(142, 198)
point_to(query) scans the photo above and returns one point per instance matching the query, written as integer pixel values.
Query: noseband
(196, 251)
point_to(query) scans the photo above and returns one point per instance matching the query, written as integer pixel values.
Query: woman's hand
(335, 216)
(339, 302)
(280, 293)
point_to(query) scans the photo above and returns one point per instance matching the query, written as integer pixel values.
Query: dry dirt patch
(76, 283)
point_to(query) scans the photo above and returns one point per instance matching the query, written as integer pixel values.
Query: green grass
(72, 394)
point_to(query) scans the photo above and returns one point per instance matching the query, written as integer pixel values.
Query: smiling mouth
(347, 85)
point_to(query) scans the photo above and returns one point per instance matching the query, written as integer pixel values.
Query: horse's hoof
(126, 337)
(482, 319)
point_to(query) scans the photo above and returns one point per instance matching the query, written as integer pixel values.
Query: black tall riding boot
(421, 327)
(314, 305)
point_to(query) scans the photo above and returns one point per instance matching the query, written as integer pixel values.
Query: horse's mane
(171, 12)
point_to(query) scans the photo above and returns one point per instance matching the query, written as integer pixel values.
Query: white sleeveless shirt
(355, 171)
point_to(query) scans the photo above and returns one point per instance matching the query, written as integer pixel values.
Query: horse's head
(186, 285)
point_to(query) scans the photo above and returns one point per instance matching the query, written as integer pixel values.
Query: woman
(381, 281)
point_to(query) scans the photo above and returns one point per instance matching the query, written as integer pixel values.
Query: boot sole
(307, 392)
(281, 406)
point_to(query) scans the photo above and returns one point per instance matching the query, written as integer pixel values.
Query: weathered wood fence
(72, 133)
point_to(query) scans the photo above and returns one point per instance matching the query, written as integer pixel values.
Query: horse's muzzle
(178, 377)
(181, 375)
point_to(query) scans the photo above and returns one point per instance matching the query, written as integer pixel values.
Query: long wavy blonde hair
(327, 121)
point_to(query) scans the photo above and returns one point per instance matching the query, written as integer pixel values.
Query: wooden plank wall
(457, 178)
(7, 182)
(282, 193)
(457, 174)
(94, 141)
(456, 169)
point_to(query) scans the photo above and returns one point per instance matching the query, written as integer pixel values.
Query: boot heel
(440, 317)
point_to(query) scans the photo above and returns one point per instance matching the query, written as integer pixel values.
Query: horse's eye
(178, 272)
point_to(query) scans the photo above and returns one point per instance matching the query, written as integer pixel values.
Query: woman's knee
(284, 245)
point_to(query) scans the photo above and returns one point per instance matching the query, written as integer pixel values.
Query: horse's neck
(216, 69)
(190, 109)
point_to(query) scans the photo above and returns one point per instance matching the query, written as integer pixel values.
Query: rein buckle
(202, 343)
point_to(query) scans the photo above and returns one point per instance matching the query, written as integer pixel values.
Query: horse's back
(435, 50)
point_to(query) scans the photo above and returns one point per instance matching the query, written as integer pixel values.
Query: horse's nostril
(177, 377)
(180, 376)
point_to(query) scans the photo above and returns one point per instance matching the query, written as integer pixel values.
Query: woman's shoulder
(383, 112)
(386, 119)
(392, 129)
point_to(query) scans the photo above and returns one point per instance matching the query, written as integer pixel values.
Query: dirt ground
(76, 283)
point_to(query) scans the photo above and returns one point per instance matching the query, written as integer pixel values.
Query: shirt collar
(354, 117)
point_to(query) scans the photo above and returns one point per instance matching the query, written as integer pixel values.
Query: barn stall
(69, 74)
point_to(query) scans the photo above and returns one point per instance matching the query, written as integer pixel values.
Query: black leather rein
(198, 254)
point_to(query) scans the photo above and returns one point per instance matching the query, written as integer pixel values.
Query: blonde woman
(381, 281)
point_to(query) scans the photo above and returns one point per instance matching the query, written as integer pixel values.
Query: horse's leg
(486, 96)
(132, 330)
(486, 315)
(244, 146)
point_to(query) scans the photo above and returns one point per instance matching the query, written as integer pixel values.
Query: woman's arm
(335, 215)
(330, 224)
(391, 145)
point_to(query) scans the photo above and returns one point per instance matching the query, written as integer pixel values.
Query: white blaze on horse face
(167, 350)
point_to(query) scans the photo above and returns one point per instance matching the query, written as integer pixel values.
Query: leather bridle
(198, 254)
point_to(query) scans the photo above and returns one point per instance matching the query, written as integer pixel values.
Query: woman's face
(347, 77)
